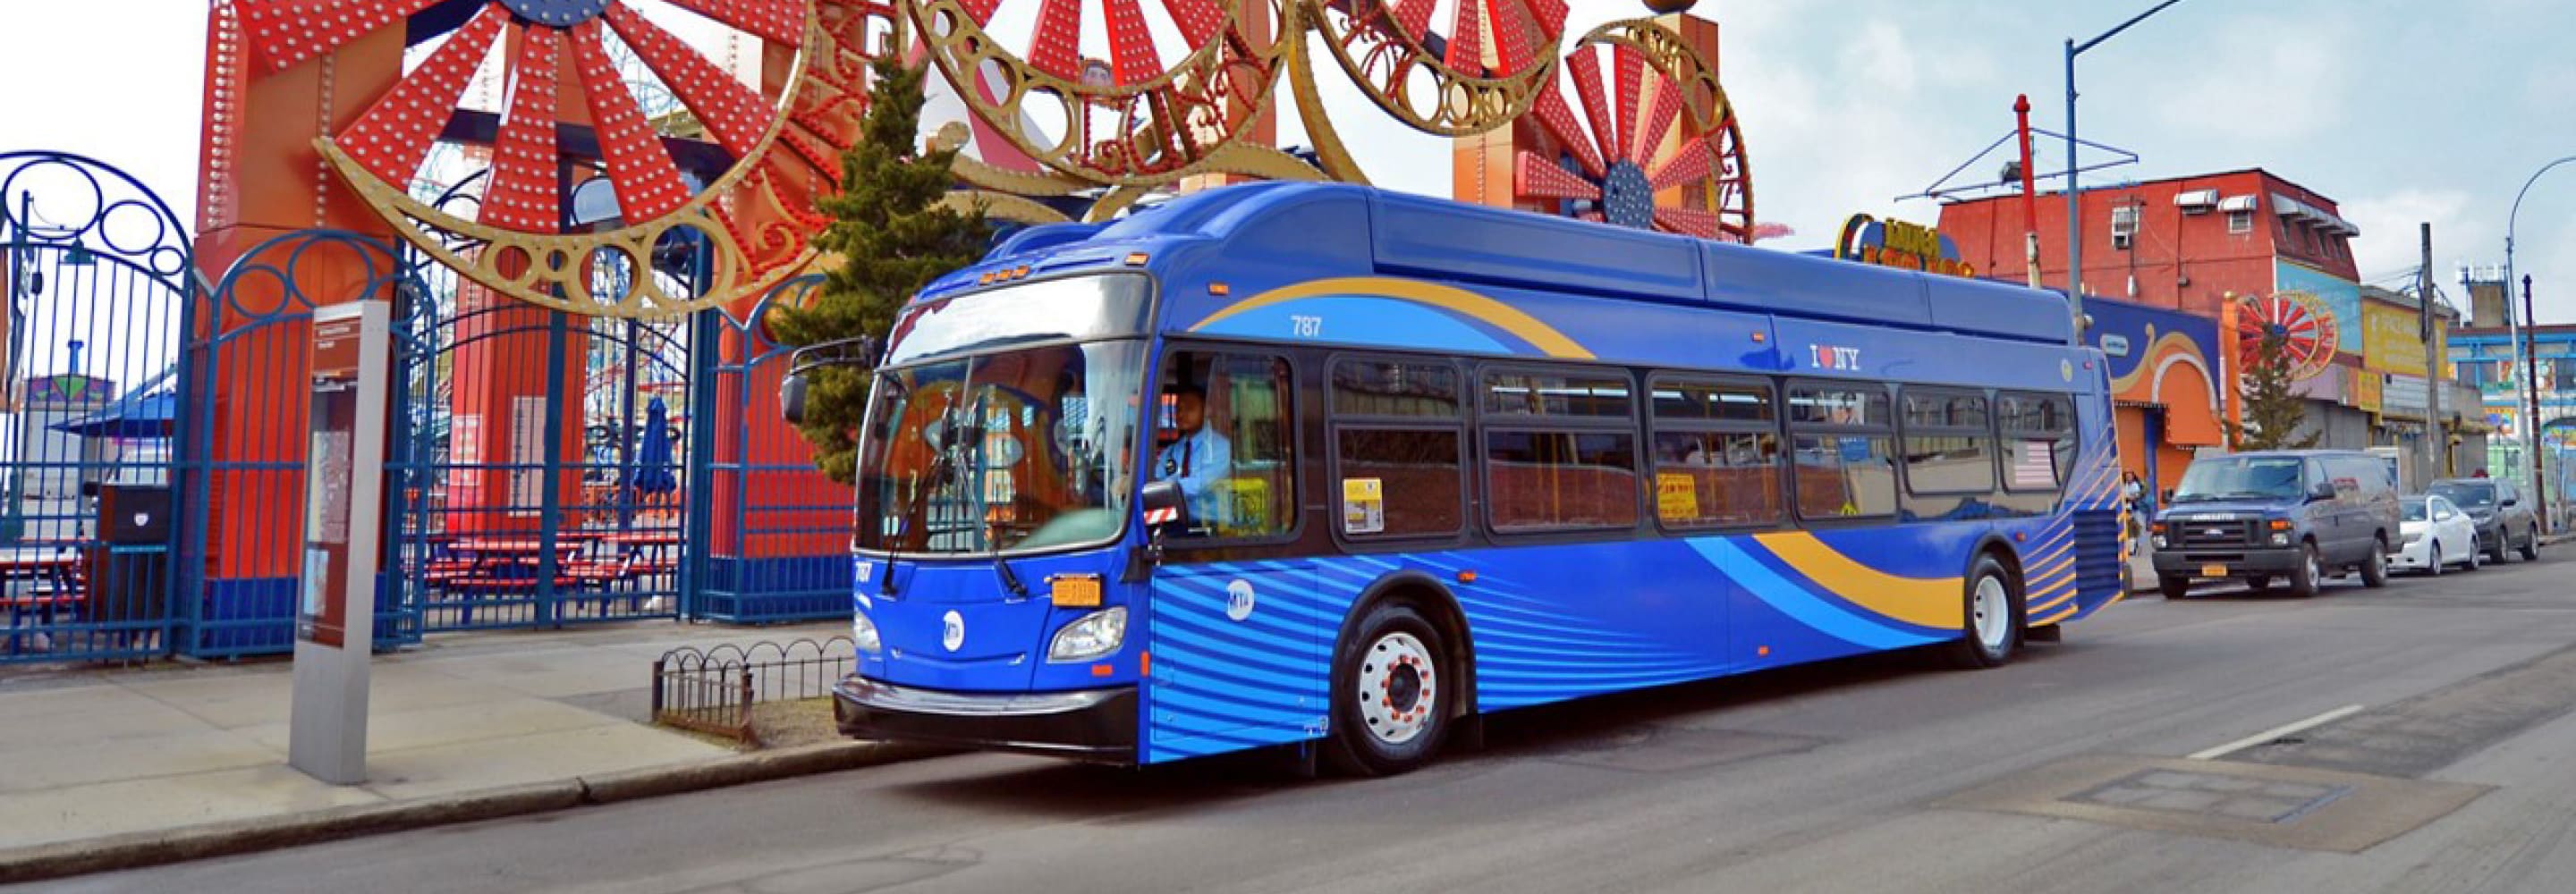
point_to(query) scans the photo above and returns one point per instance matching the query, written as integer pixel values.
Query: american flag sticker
(2035, 464)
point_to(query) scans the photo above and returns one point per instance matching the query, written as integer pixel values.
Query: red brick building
(2185, 243)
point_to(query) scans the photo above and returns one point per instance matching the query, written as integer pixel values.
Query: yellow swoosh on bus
(1936, 602)
(1503, 316)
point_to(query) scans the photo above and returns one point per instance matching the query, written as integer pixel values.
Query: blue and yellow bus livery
(1427, 461)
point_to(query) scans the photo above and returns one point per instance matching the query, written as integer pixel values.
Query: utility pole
(2029, 195)
(2531, 386)
(2438, 437)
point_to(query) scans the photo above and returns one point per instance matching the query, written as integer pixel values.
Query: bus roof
(1263, 233)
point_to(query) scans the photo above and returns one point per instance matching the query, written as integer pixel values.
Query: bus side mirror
(1165, 506)
(791, 398)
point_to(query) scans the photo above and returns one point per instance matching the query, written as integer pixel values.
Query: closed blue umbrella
(653, 474)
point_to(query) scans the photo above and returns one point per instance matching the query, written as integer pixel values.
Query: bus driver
(1197, 460)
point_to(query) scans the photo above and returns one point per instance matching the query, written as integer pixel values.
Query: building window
(2240, 222)
(1222, 431)
(1717, 455)
(1842, 449)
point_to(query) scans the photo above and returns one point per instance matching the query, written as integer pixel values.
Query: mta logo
(1238, 599)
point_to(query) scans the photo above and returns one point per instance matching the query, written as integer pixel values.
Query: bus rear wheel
(1393, 690)
(1994, 616)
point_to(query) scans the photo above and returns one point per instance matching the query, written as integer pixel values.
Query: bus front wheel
(1994, 616)
(1393, 688)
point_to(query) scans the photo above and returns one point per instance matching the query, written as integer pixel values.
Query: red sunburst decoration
(1649, 138)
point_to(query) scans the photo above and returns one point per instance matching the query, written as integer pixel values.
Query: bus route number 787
(1304, 326)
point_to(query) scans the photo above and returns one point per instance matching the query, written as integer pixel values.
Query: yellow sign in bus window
(1676, 496)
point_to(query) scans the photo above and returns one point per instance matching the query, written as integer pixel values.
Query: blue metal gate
(99, 282)
(242, 439)
(540, 461)
(778, 541)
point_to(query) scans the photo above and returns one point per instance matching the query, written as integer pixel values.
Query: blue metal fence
(98, 280)
(778, 548)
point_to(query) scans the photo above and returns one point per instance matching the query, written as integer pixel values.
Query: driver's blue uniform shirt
(1196, 461)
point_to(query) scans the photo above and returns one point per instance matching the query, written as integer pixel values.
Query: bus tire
(1993, 616)
(1393, 693)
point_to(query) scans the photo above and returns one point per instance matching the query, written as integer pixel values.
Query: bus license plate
(1074, 590)
(2213, 571)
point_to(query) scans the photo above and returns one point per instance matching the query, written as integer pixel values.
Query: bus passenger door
(1238, 657)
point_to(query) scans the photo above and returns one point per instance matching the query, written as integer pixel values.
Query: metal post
(2440, 443)
(2074, 211)
(2531, 427)
(2074, 215)
(549, 612)
(2029, 192)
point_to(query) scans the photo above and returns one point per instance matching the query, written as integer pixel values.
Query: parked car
(2504, 519)
(2435, 534)
(2297, 515)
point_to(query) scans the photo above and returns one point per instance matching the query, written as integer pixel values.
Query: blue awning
(144, 416)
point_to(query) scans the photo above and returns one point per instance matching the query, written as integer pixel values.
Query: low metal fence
(716, 690)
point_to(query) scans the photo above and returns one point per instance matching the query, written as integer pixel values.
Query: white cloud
(2389, 241)
(2262, 80)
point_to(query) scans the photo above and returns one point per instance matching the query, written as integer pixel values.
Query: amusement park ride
(342, 99)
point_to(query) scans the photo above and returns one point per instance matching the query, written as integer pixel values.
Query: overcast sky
(2401, 110)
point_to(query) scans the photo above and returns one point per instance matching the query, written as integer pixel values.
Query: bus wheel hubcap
(1993, 614)
(1396, 688)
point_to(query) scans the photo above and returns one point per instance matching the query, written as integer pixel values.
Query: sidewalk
(92, 755)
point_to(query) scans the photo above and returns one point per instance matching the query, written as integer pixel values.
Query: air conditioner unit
(2120, 240)
(2198, 201)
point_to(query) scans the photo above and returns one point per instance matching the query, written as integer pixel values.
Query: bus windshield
(1013, 451)
(2240, 478)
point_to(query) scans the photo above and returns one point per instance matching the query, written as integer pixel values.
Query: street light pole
(2074, 208)
(2531, 427)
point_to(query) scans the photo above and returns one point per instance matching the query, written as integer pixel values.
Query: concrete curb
(153, 848)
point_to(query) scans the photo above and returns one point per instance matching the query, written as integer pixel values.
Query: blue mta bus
(1346, 469)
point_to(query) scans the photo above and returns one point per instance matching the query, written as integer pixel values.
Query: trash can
(129, 571)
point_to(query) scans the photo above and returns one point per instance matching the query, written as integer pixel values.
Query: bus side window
(1717, 453)
(1398, 442)
(1224, 435)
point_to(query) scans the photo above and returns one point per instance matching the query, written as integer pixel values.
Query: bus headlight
(1094, 635)
(863, 632)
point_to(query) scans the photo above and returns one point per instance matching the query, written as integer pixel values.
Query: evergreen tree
(893, 237)
(2272, 413)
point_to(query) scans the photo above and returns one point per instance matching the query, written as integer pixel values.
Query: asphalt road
(1839, 778)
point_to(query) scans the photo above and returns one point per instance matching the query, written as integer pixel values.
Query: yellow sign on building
(2390, 343)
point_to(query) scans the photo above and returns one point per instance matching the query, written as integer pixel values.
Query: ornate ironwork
(756, 218)
(66, 202)
(1455, 84)
(1129, 121)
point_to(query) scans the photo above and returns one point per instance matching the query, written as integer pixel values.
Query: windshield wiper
(983, 466)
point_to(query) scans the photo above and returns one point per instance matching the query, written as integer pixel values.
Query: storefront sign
(2391, 340)
(1895, 243)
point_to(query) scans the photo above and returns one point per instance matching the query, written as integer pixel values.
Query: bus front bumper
(1090, 724)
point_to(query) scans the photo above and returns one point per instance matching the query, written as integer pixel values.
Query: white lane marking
(2276, 732)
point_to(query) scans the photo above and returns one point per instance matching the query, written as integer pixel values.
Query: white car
(2437, 534)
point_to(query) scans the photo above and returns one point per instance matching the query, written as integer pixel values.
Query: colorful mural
(2341, 296)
